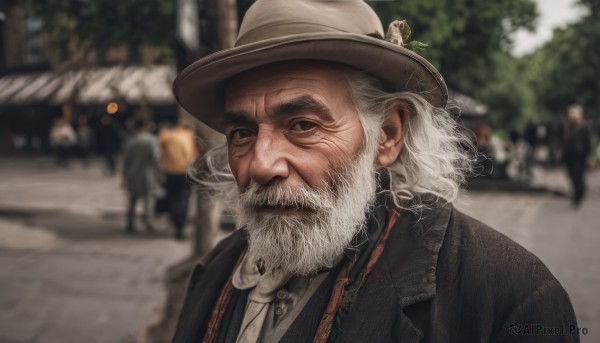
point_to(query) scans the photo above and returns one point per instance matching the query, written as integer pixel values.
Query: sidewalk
(38, 184)
(544, 180)
(68, 271)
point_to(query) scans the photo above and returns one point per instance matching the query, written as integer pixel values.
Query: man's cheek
(337, 176)
(239, 169)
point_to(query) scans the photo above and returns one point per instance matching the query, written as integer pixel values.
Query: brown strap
(380, 246)
(326, 324)
(219, 310)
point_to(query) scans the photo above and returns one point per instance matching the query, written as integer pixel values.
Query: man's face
(290, 123)
(575, 116)
(304, 177)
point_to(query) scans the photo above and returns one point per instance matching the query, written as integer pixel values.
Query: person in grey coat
(141, 173)
(342, 164)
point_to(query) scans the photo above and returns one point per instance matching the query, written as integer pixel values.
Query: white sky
(552, 14)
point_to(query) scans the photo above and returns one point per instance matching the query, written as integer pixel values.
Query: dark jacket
(443, 278)
(578, 143)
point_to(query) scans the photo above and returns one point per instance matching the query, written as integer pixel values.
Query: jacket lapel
(405, 275)
(415, 257)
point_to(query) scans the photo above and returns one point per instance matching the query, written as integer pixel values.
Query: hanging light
(112, 108)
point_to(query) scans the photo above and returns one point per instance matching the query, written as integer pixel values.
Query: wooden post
(206, 222)
(209, 210)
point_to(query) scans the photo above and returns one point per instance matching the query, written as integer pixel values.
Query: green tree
(468, 41)
(567, 67)
(463, 36)
(98, 25)
(509, 97)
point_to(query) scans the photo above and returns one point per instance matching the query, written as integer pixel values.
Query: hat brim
(200, 88)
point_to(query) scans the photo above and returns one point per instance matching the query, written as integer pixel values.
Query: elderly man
(342, 164)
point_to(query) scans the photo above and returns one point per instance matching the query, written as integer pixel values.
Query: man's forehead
(291, 87)
(292, 74)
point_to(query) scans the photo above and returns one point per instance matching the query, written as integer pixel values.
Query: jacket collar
(406, 273)
(420, 236)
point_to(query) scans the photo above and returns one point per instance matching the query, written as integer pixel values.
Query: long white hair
(436, 156)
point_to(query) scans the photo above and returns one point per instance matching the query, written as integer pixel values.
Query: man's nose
(268, 161)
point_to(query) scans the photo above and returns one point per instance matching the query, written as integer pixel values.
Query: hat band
(282, 29)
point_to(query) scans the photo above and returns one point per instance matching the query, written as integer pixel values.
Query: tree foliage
(99, 25)
(566, 68)
(463, 36)
(468, 41)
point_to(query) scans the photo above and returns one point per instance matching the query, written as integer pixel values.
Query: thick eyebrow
(238, 118)
(303, 104)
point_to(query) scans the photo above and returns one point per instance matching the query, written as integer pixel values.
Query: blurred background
(78, 76)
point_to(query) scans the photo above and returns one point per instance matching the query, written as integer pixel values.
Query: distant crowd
(153, 159)
(550, 143)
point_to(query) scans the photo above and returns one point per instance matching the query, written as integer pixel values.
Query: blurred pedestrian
(531, 134)
(85, 140)
(519, 167)
(576, 150)
(141, 172)
(178, 151)
(110, 135)
(62, 139)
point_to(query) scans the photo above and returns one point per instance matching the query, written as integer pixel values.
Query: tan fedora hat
(344, 31)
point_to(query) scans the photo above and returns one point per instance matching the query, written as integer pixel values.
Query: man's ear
(391, 135)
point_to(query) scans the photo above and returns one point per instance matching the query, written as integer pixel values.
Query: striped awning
(131, 84)
(134, 85)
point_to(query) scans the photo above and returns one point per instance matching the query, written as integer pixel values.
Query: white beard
(301, 244)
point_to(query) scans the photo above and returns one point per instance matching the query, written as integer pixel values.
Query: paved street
(69, 274)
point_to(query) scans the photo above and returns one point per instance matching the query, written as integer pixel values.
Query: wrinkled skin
(290, 123)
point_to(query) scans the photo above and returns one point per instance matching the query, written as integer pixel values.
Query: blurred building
(22, 42)
(470, 114)
(36, 88)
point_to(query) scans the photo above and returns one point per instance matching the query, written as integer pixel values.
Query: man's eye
(303, 126)
(240, 134)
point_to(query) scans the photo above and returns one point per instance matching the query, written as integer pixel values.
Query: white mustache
(282, 196)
